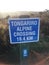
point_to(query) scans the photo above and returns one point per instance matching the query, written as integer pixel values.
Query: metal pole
(24, 48)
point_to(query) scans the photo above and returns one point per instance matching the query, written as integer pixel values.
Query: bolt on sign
(24, 30)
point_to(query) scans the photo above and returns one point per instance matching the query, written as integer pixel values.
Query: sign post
(24, 30)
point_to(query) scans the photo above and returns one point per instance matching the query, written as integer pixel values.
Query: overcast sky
(23, 5)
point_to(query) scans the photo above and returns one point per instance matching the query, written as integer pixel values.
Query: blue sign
(25, 52)
(24, 30)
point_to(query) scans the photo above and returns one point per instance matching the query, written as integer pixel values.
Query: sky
(23, 5)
